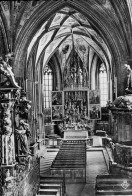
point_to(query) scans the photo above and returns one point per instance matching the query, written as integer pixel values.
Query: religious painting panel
(95, 112)
(94, 96)
(57, 98)
(75, 106)
(47, 116)
(57, 113)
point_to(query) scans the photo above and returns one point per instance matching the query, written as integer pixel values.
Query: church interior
(66, 98)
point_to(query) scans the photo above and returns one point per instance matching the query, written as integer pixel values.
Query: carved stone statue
(7, 79)
(22, 130)
(22, 104)
(6, 118)
(22, 134)
(128, 90)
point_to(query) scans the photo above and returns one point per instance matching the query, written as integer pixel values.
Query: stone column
(121, 78)
(8, 151)
(7, 141)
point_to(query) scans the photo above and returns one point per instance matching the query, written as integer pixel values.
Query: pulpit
(121, 110)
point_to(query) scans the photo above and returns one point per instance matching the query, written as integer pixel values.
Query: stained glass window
(47, 86)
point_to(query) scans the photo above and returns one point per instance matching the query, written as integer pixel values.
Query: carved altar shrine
(16, 158)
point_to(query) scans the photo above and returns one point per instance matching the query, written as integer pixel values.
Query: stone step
(52, 151)
(44, 170)
(46, 195)
(47, 158)
(112, 181)
(50, 181)
(68, 166)
(113, 193)
(48, 191)
(57, 162)
(112, 176)
(45, 163)
(70, 158)
(50, 186)
(45, 173)
(113, 188)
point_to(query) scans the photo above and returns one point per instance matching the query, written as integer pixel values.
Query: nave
(58, 163)
(98, 179)
(95, 165)
(66, 70)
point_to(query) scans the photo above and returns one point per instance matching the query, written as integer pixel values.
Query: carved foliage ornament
(6, 116)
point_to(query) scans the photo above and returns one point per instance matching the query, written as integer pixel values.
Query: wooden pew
(70, 162)
(113, 185)
(50, 185)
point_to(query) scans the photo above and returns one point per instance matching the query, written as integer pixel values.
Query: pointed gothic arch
(35, 21)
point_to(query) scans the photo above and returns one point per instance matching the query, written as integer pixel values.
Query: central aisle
(95, 165)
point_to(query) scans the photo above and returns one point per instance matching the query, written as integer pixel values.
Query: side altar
(19, 167)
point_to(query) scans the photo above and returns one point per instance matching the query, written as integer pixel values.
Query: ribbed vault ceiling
(62, 31)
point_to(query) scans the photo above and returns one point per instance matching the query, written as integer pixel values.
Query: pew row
(113, 185)
(51, 186)
(70, 162)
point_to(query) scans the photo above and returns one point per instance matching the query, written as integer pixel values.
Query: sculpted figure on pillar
(6, 116)
(7, 79)
(128, 90)
(22, 130)
(22, 134)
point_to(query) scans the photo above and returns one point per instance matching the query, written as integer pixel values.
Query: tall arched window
(47, 86)
(103, 85)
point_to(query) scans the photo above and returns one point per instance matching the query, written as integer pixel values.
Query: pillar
(7, 141)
